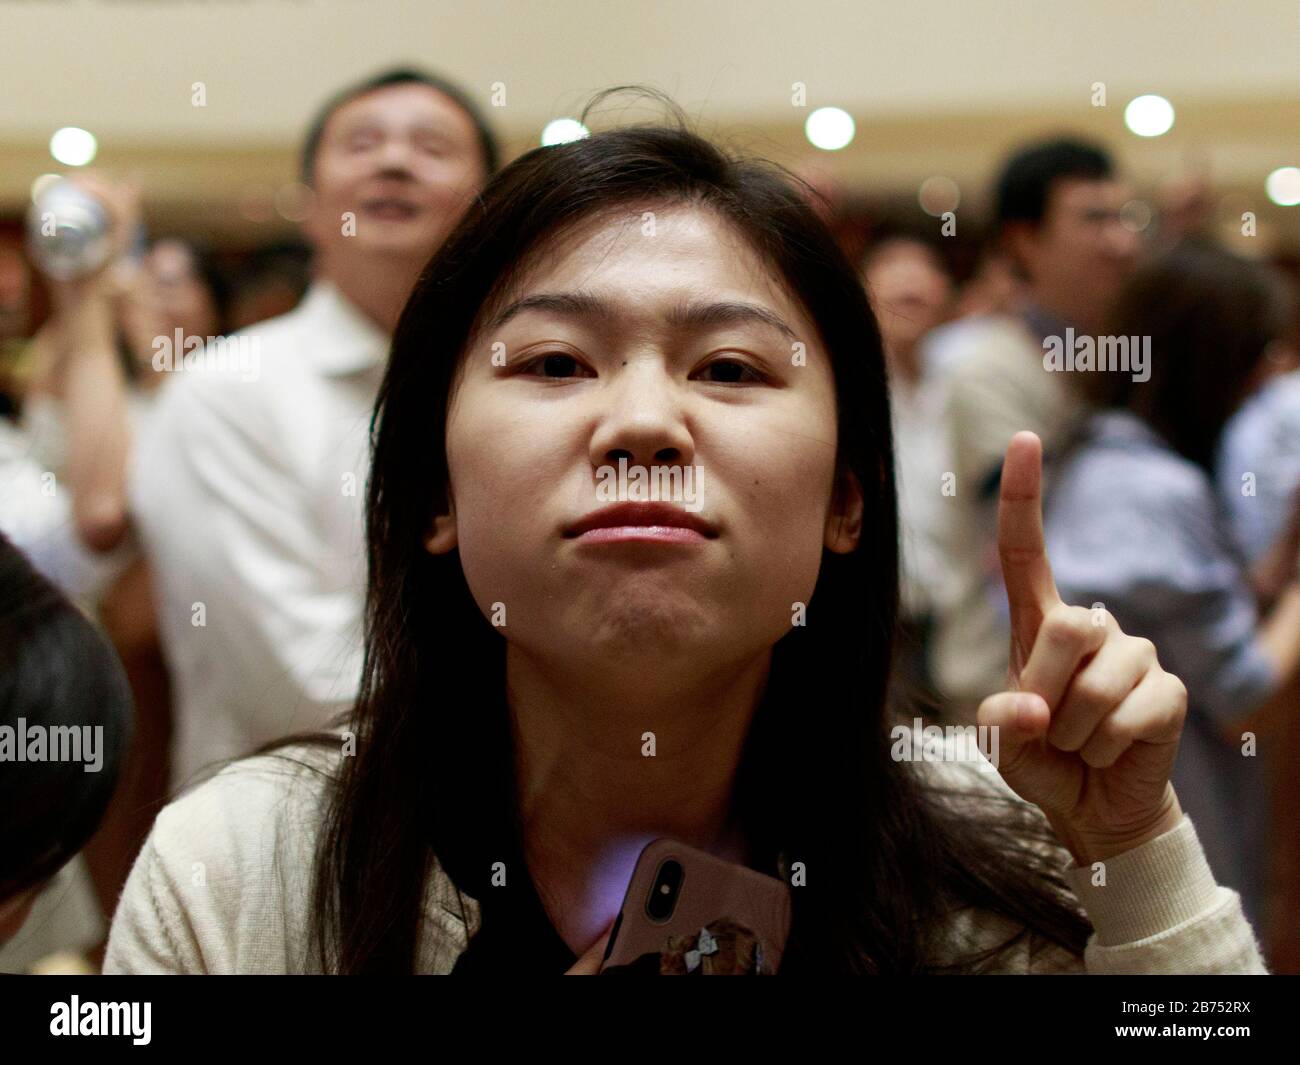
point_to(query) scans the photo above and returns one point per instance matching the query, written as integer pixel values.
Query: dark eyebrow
(690, 315)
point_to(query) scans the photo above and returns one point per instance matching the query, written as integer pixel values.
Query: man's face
(1081, 253)
(395, 169)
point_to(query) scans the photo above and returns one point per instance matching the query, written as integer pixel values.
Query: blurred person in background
(248, 489)
(178, 289)
(61, 499)
(15, 323)
(269, 282)
(65, 700)
(911, 291)
(74, 409)
(1058, 219)
(1258, 479)
(1134, 525)
(1258, 466)
(994, 288)
(93, 381)
(115, 316)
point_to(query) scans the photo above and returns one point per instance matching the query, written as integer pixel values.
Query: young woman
(1134, 522)
(553, 680)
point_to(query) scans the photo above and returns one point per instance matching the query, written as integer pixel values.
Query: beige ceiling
(936, 86)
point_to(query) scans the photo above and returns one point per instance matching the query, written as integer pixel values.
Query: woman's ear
(441, 537)
(844, 522)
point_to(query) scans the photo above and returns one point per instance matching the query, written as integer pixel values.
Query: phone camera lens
(663, 892)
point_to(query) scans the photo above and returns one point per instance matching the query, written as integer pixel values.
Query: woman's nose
(645, 421)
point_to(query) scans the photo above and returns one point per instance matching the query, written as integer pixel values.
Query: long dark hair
(1210, 316)
(433, 770)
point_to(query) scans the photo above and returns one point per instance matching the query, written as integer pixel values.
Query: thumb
(589, 963)
(1032, 768)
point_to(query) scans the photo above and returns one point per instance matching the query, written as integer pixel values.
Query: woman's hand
(121, 199)
(1090, 728)
(83, 370)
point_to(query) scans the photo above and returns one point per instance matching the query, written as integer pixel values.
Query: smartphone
(688, 913)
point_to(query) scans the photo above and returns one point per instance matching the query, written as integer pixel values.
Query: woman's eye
(731, 372)
(556, 365)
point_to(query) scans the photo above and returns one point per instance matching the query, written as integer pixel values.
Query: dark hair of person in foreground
(57, 671)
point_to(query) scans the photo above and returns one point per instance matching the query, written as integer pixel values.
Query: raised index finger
(1031, 591)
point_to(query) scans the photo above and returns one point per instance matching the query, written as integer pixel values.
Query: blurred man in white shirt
(1059, 218)
(249, 488)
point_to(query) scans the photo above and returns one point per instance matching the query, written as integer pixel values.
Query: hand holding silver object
(69, 231)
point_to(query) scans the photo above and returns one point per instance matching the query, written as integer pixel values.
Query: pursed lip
(641, 515)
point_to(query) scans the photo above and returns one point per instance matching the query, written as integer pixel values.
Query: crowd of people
(329, 602)
(1165, 506)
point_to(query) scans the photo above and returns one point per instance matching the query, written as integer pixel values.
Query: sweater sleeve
(1157, 909)
(222, 882)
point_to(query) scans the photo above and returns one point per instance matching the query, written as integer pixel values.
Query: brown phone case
(726, 920)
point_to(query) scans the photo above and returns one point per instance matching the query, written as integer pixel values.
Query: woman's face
(180, 297)
(169, 294)
(664, 340)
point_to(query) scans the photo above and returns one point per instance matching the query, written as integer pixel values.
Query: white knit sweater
(223, 882)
